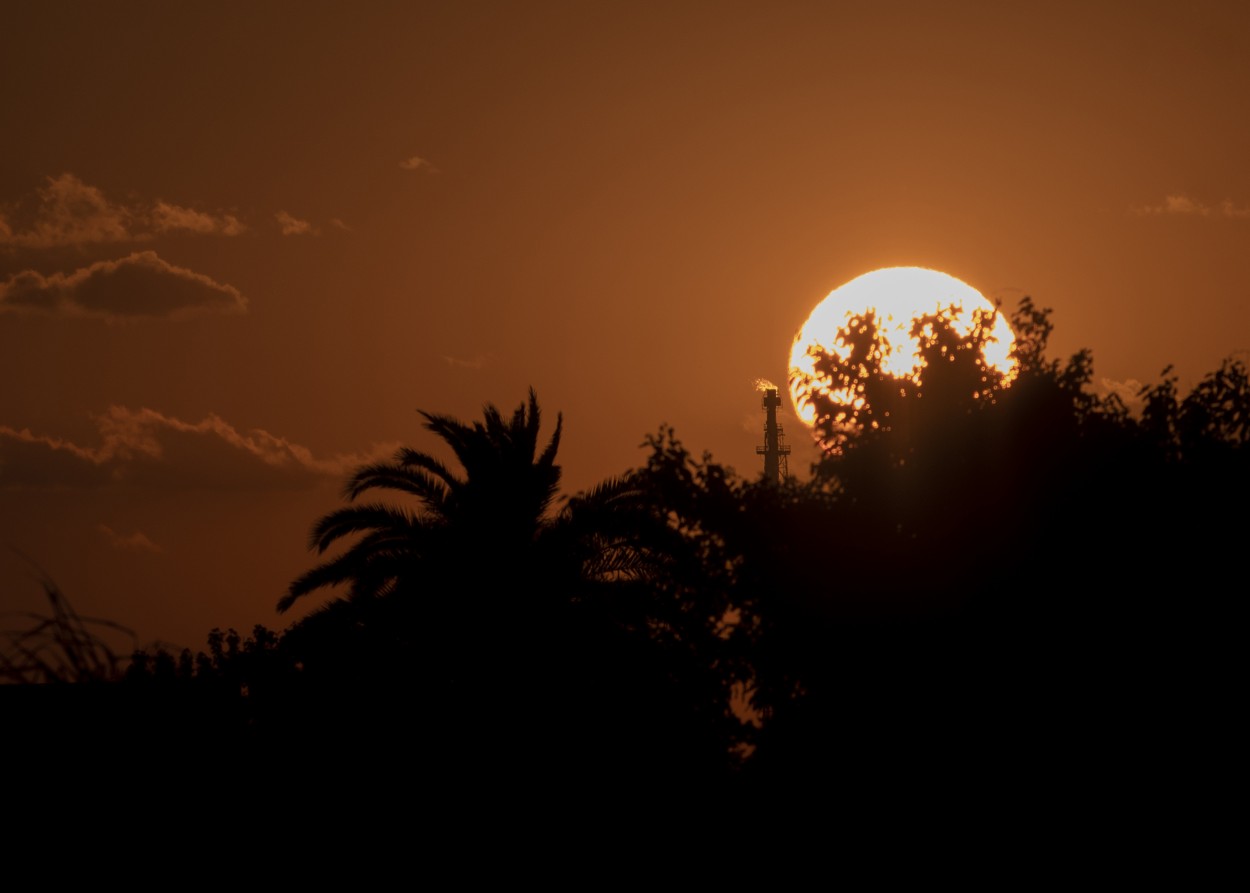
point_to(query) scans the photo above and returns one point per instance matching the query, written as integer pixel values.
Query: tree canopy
(983, 567)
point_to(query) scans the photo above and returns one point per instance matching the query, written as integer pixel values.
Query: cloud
(68, 212)
(147, 449)
(135, 542)
(1183, 205)
(1228, 209)
(39, 462)
(293, 226)
(139, 286)
(416, 163)
(172, 218)
(1128, 391)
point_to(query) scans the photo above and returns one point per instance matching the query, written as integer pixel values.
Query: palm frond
(455, 434)
(368, 567)
(405, 477)
(548, 457)
(358, 519)
(611, 492)
(503, 497)
(410, 458)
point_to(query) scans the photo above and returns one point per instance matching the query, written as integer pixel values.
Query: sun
(896, 296)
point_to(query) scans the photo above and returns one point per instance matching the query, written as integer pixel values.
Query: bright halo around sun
(896, 296)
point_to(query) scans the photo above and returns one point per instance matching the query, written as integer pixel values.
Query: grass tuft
(59, 647)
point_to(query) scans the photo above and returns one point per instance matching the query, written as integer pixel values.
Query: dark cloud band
(139, 286)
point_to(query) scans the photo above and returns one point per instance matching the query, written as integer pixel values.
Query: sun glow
(897, 296)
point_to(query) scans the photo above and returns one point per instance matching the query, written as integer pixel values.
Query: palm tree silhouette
(508, 626)
(496, 510)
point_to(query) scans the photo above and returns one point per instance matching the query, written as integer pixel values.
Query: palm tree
(494, 512)
(512, 627)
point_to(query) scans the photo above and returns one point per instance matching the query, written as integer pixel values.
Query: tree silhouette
(855, 397)
(507, 623)
(500, 503)
(1049, 558)
(1018, 590)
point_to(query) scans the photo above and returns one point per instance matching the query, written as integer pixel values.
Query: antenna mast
(775, 452)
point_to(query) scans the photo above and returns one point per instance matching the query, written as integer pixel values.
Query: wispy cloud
(145, 448)
(139, 286)
(1129, 393)
(171, 218)
(68, 212)
(135, 542)
(416, 163)
(1184, 205)
(292, 225)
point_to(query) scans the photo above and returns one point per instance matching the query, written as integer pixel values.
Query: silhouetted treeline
(1002, 586)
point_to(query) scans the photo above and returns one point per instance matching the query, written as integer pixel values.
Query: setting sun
(897, 296)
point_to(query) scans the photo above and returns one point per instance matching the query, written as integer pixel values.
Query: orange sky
(241, 243)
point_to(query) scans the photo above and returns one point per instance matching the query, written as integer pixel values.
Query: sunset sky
(241, 244)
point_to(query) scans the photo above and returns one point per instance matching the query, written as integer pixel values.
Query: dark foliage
(61, 646)
(1039, 567)
(1001, 590)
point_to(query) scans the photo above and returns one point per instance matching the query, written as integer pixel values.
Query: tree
(518, 631)
(1080, 554)
(498, 507)
(855, 399)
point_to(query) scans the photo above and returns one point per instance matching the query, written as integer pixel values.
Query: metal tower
(775, 452)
